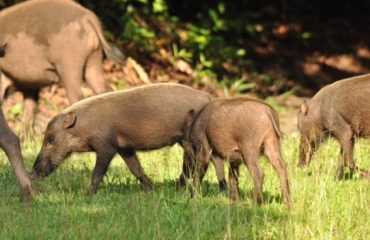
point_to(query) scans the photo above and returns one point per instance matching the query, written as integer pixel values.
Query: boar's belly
(141, 140)
(25, 62)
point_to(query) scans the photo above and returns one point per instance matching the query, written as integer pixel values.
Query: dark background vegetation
(265, 47)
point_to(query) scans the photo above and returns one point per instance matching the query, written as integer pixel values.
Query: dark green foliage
(263, 42)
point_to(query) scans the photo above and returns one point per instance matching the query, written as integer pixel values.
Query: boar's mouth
(40, 172)
(306, 150)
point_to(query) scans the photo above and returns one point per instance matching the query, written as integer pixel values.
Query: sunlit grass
(323, 208)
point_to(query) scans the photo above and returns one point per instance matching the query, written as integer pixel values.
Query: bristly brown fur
(142, 118)
(237, 129)
(341, 110)
(52, 41)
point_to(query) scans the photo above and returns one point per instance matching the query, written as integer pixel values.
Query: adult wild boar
(52, 41)
(237, 129)
(142, 118)
(341, 110)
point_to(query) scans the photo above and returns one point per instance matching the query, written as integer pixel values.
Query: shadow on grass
(166, 213)
(123, 210)
(77, 182)
(212, 190)
(360, 174)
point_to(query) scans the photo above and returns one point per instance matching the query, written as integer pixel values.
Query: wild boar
(52, 41)
(236, 129)
(340, 110)
(138, 119)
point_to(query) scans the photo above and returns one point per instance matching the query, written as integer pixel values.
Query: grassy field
(323, 208)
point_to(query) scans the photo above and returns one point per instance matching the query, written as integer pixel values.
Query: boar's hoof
(148, 186)
(234, 197)
(340, 174)
(301, 165)
(33, 176)
(27, 194)
(259, 200)
(222, 185)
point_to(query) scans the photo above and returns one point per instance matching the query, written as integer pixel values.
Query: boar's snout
(42, 168)
(302, 157)
(305, 153)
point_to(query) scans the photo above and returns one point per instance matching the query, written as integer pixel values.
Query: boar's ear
(304, 108)
(189, 119)
(2, 50)
(69, 120)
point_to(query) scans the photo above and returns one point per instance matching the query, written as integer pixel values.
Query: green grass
(323, 208)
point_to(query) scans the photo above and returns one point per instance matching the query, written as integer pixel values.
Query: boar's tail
(111, 51)
(275, 122)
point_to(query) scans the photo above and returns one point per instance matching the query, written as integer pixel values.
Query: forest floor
(53, 99)
(137, 72)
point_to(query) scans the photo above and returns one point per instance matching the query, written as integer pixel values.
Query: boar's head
(310, 131)
(60, 141)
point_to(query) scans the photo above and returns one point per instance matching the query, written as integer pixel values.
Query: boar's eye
(50, 138)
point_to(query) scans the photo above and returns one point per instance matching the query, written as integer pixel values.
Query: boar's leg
(344, 135)
(340, 170)
(133, 164)
(71, 75)
(272, 151)
(219, 167)
(234, 180)
(11, 145)
(346, 159)
(103, 159)
(250, 155)
(202, 158)
(187, 170)
(30, 105)
(94, 73)
(200, 170)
